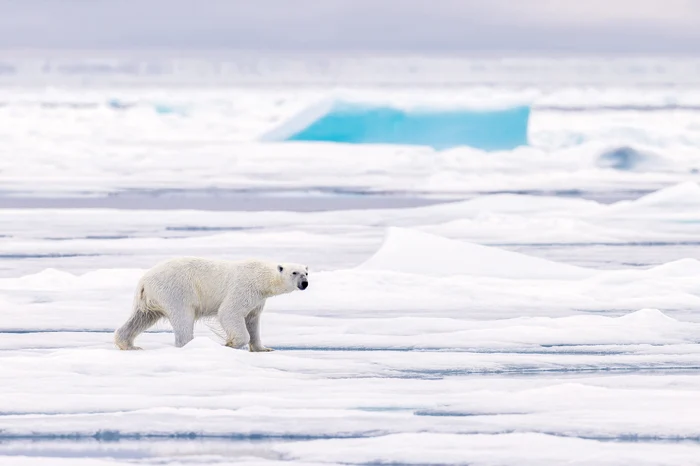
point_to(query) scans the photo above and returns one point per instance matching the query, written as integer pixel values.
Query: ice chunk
(628, 159)
(352, 123)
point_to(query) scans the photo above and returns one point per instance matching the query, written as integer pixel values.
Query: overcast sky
(656, 26)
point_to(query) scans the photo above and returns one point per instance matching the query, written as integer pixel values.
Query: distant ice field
(215, 139)
(95, 124)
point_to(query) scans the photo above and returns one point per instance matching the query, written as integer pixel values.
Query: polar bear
(186, 289)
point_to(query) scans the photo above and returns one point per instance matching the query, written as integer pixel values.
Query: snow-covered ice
(545, 314)
(407, 343)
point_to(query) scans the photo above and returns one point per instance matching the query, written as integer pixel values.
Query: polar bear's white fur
(187, 289)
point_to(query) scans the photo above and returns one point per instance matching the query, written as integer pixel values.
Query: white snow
(404, 338)
(492, 329)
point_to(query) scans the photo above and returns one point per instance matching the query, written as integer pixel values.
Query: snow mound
(47, 279)
(52, 279)
(680, 268)
(203, 343)
(410, 251)
(677, 199)
(678, 195)
(650, 318)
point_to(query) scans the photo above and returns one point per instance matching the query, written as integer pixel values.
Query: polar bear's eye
(294, 273)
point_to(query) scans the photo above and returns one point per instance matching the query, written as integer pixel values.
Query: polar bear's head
(294, 276)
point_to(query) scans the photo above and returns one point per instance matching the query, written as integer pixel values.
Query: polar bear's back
(202, 283)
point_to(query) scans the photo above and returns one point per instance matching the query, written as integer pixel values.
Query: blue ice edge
(352, 123)
(161, 109)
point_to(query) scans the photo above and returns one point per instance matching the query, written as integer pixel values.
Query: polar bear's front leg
(233, 323)
(252, 322)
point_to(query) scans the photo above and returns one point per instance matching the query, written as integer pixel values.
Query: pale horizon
(357, 26)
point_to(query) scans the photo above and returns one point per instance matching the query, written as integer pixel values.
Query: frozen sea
(535, 306)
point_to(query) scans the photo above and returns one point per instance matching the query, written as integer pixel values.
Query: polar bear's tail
(144, 315)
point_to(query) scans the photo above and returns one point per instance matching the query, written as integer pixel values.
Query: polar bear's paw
(128, 347)
(235, 345)
(260, 349)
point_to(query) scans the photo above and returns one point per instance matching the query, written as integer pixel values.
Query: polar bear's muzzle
(303, 284)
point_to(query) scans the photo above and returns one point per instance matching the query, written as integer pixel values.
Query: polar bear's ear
(280, 268)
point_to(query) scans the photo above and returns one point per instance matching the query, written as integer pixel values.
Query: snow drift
(411, 251)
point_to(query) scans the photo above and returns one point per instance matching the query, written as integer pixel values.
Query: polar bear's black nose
(303, 285)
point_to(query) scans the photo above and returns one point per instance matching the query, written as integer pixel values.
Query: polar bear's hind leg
(182, 322)
(139, 321)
